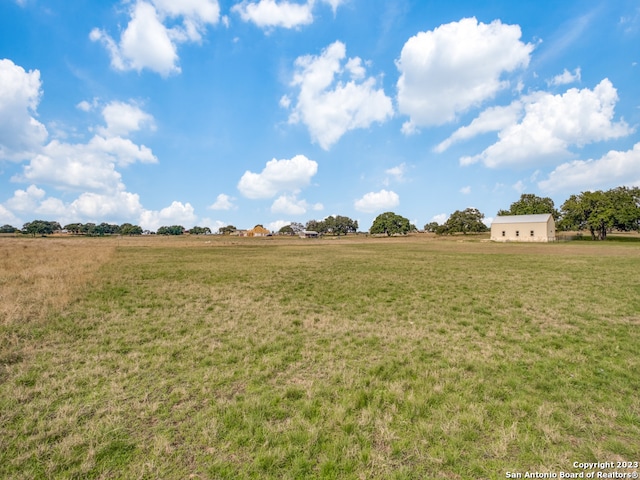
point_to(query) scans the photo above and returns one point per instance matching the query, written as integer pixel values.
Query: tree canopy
(390, 223)
(338, 225)
(228, 230)
(286, 230)
(171, 230)
(463, 221)
(600, 212)
(8, 229)
(40, 227)
(200, 231)
(530, 204)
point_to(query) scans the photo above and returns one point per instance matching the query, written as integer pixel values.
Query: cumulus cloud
(440, 218)
(465, 190)
(397, 173)
(377, 201)
(175, 214)
(613, 169)
(88, 206)
(330, 105)
(26, 200)
(223, 202)
(8, 218)
(21, 135)
(278, 176)
(566, 77)
(290, 205)
(493, 119)
(269, 13)
(90, 166)
(147, 42)
(277, 225)
(550, 124)
(454, 67)
(124, 118)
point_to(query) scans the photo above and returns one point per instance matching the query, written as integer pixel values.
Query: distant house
(523, 228)
(258, 231)
(308, 234)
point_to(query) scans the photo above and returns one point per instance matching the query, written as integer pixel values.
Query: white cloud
(147, 42)
(465, 190)
(175, 214)
(440, 218)
(376, 201)
(24, 201)
(100, 207)
(8, 218)
(566, 77)
(290, 205)
(123, 118)
(613, 169)
(457, 66)
(88, 207)
(551, 124)
(277, 225)
(90, 166)
(493, 119)
(21, 135)
(87, 106)
(269, 13)
(397, 173)
(278, 176)
(223, 202)
(334, 4)
(519, 186)
(196, 15)
(330, 106)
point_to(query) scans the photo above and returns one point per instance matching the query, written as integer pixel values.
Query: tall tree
(464, 221)
(200, 230)
(600, 212)
(129, 229)
(530, 204)
(40, 227)
(8, 229)
(228, 230)
(286, 230)
(171, 230)
(391, 223)
(338, 225)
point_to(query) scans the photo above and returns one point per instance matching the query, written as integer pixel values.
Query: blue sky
(209, 113)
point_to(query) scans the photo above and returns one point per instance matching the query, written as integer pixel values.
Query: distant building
(308, 234)
(258, 231)
(523, 228)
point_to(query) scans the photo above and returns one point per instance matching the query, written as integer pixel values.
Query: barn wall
(521, 232)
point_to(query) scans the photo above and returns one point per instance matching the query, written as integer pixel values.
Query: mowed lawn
(352, 358)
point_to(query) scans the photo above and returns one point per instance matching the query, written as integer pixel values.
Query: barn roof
(539, 218)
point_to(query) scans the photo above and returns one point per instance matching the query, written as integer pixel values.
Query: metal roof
(539, 218)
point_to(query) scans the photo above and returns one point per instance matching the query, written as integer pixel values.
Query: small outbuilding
(308, 234)
(523, 228)
(258, 231)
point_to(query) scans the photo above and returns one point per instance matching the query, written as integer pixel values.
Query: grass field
(354, 358)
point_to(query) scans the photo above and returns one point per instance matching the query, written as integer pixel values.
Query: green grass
(332, 359)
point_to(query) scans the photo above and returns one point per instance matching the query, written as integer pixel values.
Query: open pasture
(214, 357)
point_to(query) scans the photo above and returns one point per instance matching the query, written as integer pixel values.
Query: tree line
(599, 212)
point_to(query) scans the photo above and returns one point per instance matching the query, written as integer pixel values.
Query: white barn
(523, 228)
